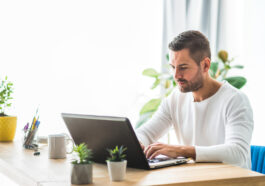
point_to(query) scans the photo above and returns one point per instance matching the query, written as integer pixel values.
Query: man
(213, 121)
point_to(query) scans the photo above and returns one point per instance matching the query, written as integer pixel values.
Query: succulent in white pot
(81, 172)
(117, 163)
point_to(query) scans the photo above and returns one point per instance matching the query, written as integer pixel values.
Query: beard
(193, 85)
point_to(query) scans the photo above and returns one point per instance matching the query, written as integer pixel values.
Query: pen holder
(29, 139)
(30, 133)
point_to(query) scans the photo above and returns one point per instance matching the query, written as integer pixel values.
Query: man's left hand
(171, 151)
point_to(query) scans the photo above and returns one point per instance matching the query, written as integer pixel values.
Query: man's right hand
(142, 146)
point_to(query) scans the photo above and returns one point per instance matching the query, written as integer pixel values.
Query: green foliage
(218, 70)
(237, 81)
(150, 72)
(150, 106)
(143, 118)
(84, 155)
(213, 69)
(6, 89)
(117, 154)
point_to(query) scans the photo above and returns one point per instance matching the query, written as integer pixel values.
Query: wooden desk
(20, 166)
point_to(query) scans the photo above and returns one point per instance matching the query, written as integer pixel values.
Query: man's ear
(205, 64)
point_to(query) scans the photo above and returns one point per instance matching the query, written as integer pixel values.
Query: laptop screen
(104, 132)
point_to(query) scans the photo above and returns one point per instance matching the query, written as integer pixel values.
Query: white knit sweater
(220, 127)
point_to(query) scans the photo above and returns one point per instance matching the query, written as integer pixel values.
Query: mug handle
(67, 138)
(71, 141)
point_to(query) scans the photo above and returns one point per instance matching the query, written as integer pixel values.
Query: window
(79, 57)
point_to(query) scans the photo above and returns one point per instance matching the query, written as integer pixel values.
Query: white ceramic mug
(57, 145)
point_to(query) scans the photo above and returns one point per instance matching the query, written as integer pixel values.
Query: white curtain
(214, 18)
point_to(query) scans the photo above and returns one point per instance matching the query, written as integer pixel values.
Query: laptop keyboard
(155, 160)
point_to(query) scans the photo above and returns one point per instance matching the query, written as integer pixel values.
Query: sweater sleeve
(238, 133)
(157, 126)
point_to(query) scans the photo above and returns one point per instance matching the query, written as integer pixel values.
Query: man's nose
(177, 74)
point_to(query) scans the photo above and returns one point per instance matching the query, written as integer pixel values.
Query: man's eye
(182, 68)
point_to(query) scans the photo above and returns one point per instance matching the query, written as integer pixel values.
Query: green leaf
(222, 70)
(143, 118)
(117, 154)
(237, 66)
(169, 92)
(156, 83)
(84, 154)
(151, 106)
(237, 81)
(167, 57)
(174, 83)
(227, 67)
(213, 69)
(150, 72)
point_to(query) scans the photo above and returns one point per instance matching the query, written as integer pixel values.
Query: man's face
(187, 73)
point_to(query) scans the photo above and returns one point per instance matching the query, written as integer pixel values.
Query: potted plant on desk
(117, 163)
(8, 124)
(81, 165)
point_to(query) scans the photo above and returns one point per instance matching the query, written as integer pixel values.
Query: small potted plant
(81, 165)
(8, 124)
(117, 163)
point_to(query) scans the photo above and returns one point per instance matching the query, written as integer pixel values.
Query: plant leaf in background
(167, 57)
(156, 83)
(213, 69)
(237, 66)
(150, 106)
(151, 72)
(237, 81)
(144, 118)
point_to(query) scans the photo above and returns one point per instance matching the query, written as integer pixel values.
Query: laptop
(105, 132)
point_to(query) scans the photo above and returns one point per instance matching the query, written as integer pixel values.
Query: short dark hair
(193, 40)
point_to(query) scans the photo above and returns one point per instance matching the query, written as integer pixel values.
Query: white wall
(245, 33)
(79, 57)
(254, 60)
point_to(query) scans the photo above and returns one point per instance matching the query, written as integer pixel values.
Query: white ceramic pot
(117, 170)
(81, 174)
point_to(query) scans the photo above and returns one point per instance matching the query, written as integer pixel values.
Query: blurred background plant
(218, 70)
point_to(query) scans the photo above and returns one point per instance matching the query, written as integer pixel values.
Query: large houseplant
(81, 165)
(117, 163)
(8, 124)
(218, 70)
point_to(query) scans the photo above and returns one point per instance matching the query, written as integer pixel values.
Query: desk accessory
(117, 163)
(57, 146)
(81, 172)
(30, 133)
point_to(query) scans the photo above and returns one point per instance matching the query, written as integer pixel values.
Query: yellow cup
(8, 125)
